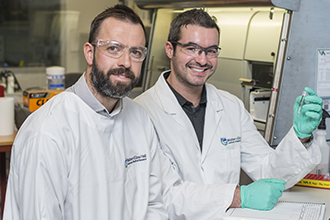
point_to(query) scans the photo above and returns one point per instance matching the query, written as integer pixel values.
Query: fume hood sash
(148, 4)
(154, 4)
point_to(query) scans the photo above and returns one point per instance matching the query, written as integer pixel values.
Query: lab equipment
(304, 94)
(259, 102)
(323, 167)
(315, 181)
(55, 78)
(11, 84)
(262, 194)
(9, 81)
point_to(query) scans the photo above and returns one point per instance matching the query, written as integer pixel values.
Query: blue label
(56, 85)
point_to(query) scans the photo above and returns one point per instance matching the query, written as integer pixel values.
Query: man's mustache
(121, 71)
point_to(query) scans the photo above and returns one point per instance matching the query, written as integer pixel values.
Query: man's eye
(136, 53)
(213, 51)
(113, 49)
(193, 49)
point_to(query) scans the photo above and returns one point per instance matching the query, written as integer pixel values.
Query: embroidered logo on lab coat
(225, 141)
(137, 158)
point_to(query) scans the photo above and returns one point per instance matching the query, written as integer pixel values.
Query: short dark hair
(193, 17)
(118, 11)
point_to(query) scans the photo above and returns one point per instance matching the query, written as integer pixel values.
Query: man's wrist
(307, 141)
(236, 203)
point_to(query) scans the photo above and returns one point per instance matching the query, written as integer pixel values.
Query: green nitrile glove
(310, 115)
(262, 194)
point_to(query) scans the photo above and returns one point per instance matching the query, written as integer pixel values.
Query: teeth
(122, 76)
(197, 70)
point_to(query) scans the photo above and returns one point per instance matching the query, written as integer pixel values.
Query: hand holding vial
(307, 113)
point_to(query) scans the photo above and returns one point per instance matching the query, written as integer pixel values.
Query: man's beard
(106, 88)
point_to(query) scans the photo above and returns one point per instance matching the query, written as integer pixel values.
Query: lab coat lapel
(172, 107)
(213, 113)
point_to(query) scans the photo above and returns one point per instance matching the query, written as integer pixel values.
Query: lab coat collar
(80, 88)
(170, 104)
(213, 115)
(172, 107)
(167, 98)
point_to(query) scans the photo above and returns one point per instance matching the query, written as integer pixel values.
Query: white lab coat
(69, 162)
(230, 142)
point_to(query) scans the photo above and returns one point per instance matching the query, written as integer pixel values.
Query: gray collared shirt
(80, 88)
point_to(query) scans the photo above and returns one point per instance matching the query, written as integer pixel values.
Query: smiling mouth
(198, 70)
(197, 67)
(122, 76)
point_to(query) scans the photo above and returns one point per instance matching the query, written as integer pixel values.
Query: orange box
(33, 99)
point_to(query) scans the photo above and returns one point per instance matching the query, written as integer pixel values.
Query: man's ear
(169, 49)
(89, 53)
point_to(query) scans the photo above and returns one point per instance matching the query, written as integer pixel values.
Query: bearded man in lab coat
(207, 133)
(89, 153)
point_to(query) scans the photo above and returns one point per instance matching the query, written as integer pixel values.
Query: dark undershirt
(195, 114)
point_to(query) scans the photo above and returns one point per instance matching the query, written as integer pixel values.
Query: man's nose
(202, 57)
(125, 60)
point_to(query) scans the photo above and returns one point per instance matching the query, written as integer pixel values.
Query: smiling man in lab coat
(89, 153)
(207, 133)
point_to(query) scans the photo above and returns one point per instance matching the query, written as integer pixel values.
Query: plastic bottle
(11, 84)
(55, 78)
(323, 167)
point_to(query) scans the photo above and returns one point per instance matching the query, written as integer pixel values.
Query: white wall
(75, 61)
(88, 10)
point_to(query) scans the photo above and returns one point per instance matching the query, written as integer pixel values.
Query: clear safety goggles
(195, 50)
(116, 50)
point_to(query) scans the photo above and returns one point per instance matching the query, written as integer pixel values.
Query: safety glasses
(114, 49)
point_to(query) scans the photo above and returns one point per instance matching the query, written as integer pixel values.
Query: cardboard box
(34, 98)
(315, 181)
